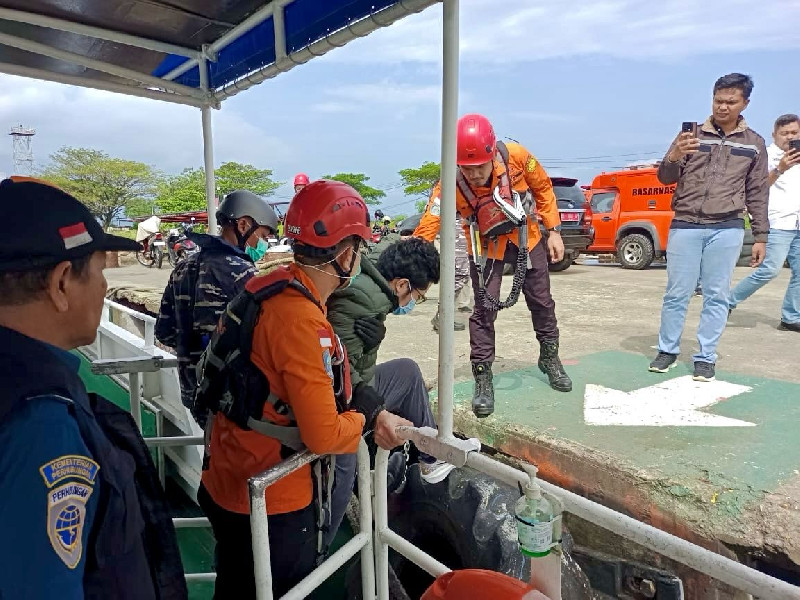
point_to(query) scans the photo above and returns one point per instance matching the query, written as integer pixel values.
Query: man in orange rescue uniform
(295, 348)
(488, 173)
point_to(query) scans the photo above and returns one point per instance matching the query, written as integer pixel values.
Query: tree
(358, 181)
(107, 185)
(187, 190)
(420, 182)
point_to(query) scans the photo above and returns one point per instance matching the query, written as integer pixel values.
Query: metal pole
(365, 522)
(381, 511)
(97, 65)
(208, 154)
(98, 84)
(136, 399)
(21, 16)
(448, 216)
(259, 530)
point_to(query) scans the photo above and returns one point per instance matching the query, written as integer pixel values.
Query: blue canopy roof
(134, 46)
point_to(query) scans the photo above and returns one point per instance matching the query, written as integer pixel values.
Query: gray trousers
(400, 384)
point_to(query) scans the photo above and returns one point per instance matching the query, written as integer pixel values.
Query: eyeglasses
(421, 298)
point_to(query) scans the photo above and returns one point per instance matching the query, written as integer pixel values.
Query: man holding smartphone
(720, 172)
(784, 221)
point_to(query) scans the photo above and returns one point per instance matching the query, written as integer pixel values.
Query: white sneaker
(438, 470)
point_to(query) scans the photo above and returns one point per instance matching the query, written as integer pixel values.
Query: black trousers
(292, 545)
(535, 288)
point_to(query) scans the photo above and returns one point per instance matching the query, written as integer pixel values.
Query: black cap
(41, 226)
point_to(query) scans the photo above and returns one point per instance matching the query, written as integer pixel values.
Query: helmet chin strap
(242, 238)
(344, 276)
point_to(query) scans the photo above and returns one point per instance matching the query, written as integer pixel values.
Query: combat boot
(483, 397)
(435, 322)
(550, 365)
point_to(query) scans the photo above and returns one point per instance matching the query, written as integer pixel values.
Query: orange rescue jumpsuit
(525, 173)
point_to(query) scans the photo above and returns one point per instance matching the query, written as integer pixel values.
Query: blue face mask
(409, 306)
(404, 310)
(259, 251)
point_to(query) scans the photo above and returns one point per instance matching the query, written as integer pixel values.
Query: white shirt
(784, 195)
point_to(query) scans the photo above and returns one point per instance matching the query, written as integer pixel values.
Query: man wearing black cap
(84, 515)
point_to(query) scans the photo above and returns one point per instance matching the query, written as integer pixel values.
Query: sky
(587, 86)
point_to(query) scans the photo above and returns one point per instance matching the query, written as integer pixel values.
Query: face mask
(409, 306)
(355, 274)
(259, 251)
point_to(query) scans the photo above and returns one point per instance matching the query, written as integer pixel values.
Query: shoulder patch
(70, 465)
(436, 208)
(66, 516)
(531, 164)
(325, 339)
(327, 361)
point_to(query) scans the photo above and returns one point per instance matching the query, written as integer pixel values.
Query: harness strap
(287, 435)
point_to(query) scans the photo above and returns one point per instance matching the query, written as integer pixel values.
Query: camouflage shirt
(198, 291)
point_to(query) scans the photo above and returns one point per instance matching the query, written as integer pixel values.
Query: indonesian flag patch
(325, 338)
(75, 236)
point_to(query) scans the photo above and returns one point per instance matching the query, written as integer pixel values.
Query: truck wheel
(465, 522)
(635, 251)
(562, 265)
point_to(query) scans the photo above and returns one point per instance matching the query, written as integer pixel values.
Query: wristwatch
(557, 228)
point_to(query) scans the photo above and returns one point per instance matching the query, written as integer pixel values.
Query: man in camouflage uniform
(201, 286)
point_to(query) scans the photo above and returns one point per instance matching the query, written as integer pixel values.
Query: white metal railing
(376, 537)
(361, 542)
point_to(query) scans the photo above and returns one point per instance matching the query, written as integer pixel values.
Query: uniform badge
(66, 516)
(531, 164)
(70, 465)
(328, 362)
(436, 208)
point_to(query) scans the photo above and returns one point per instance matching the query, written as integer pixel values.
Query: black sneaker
(703, 371)
(784, 326)
(663, 362)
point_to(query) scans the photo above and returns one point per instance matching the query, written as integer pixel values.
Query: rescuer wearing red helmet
(296, 350)
(493, 185)
(300, 181)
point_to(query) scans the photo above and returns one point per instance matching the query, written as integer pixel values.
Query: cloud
(357, 97)
(547, 117)
(530, 30)
(167, 136)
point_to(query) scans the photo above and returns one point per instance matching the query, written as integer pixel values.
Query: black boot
(483, 398)
(550, 365)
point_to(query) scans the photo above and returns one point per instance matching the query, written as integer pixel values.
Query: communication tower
(22, 138)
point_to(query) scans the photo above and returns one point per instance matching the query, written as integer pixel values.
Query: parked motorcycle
(179, 246)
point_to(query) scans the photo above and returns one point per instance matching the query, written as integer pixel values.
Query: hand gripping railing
(259, 526)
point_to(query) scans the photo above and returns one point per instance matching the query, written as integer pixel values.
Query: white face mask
(349, 278)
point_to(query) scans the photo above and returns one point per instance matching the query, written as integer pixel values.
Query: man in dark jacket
(721, 173)
(392, 281)
(201, 286)
(84, 516)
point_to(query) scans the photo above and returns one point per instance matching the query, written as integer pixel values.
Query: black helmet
(242, 203)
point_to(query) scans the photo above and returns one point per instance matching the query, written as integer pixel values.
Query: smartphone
(795, 145)
(689, 127)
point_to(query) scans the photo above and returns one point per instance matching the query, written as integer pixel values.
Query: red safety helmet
(476, 143)
(301, 179)
(324, 213)
(478, 584)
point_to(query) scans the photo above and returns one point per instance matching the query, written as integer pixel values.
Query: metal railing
(376, 537)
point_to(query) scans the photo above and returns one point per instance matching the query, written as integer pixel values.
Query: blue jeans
(781, 245)
(708, 255)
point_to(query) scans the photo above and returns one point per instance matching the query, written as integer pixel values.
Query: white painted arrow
(671, 403)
